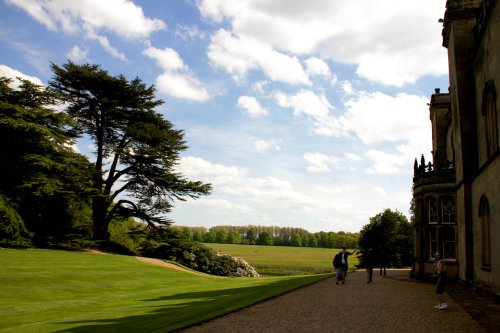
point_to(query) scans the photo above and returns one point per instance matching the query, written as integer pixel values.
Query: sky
(303, 113)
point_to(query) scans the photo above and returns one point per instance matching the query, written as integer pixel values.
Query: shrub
(199, 257)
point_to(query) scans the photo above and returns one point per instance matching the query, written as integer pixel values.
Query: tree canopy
(390, 236)
(40, 173)
(141, 146)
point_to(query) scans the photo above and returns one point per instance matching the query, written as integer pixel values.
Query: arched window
(484, 214)
(432, 209)
(490, 118)
(448, 210)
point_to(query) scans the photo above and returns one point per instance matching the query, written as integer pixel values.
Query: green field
(284, 260)
(55, 291)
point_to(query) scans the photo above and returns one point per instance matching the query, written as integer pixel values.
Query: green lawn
(55, 291)
(284, 260)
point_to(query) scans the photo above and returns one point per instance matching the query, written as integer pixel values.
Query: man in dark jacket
(340, 262)
(337, 264)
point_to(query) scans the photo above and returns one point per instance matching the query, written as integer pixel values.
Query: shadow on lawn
(170, 313)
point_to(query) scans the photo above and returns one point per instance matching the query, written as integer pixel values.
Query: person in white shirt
(440, 267)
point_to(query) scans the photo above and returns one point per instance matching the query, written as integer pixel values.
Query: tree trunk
(99, 209)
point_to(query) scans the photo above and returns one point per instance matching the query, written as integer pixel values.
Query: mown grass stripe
(53, 291)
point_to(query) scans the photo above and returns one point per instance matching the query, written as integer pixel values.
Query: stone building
(457, 194)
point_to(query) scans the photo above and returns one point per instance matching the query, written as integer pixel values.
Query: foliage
(195, 256)
(233, 238)
(277, 236)
(127, 233)
(118, 293)
(40, 174)
(390, 236)
(265, 238)
(119, 116)
(13, 232)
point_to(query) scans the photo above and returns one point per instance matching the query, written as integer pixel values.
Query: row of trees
(47, 189)
(262, 235)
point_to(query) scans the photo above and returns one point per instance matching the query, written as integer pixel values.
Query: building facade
(457, 194)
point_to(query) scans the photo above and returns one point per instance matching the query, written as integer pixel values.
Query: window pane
(448, 243)
(432, 210)
(433, 246)
(448, 210)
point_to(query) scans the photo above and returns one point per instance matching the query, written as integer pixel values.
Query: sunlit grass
(51, 291)
(284, 260)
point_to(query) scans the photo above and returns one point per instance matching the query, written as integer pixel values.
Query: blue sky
(304, 113)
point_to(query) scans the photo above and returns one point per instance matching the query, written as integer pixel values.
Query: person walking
(383, 263)
(440, 268)
(337, 264)
(344, 255)
(369, 261)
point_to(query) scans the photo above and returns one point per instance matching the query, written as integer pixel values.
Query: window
(484, 214)
(432, 203)
(443, 238)
(448, 242)
(448, 210)
(433, 243)
(490, 118)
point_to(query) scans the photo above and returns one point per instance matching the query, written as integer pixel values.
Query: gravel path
(391, 304)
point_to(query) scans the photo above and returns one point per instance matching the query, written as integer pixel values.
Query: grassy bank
(51, 291)
(284, 260)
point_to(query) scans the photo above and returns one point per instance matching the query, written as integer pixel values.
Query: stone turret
(459, 30)
(439, 108)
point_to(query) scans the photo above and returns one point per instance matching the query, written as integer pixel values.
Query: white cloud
(234, 181)
(223, 206)
(305, 102)
(347, 88)
(260, 86)
(93, 18)
(167, 58)
(352, 157)
(373, 117)
(251, 106)
(398, 162)
(77, 54)
(317, 108)
(384, 163)
(188, 32)
(376, 117)
(176, 79)
(207, 171)
(262, 146)
(320, 162)
(12, 73)
(334, 80)
(395, 43)
(239, 54)
(316, 66)
(103, 40)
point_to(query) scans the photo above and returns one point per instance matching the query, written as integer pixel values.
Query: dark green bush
(13, 232)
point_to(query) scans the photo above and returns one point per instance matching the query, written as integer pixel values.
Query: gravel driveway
(390, 304)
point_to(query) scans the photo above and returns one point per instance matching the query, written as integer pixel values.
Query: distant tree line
(270, 235)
